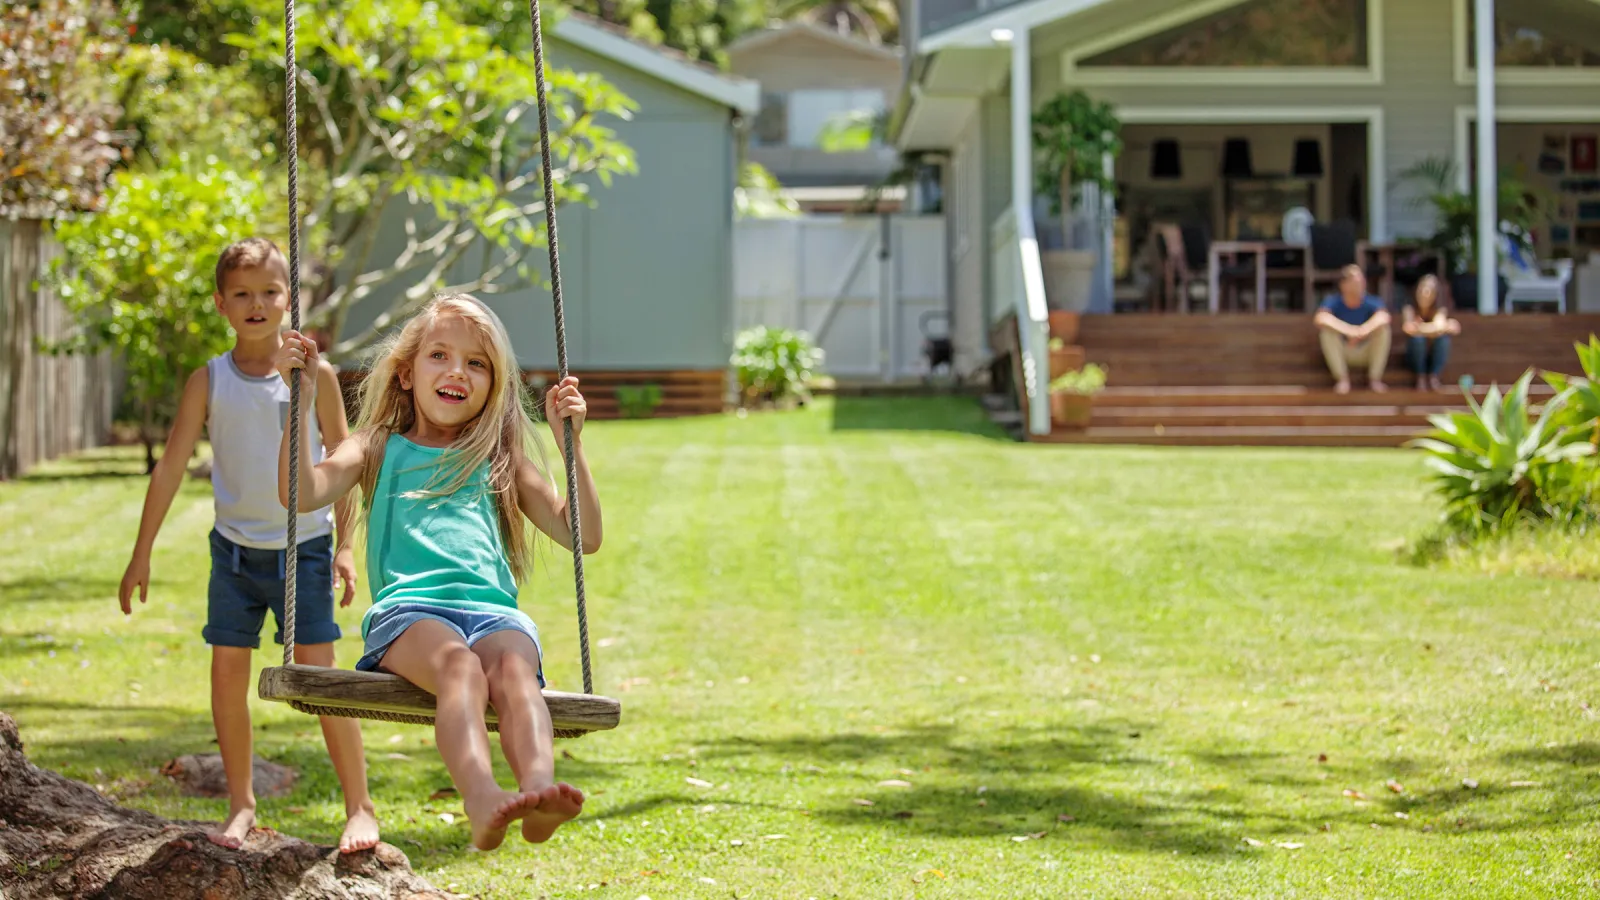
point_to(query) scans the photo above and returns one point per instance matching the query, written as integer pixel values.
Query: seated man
(1354, 327)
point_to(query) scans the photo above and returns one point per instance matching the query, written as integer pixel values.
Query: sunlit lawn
(877, 649)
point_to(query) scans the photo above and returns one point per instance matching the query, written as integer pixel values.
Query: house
(809, 75)
(646, 272)
(1243, 117)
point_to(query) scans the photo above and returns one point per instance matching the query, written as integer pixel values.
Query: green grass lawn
(878, 650)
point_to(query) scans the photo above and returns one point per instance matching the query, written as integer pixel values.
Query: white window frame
(1372, 116)
(1539, 76)
(1074, 74)
(1466, 115)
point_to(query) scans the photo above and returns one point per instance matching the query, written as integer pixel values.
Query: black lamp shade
(1236, 159)
(1307, 158)
(1165, 161)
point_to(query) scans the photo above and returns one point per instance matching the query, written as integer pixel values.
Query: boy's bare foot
(558, 803)
(494, 813)
(232, 832)
(360, 830)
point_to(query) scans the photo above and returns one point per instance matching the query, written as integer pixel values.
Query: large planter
(1068, 359)
(1068, 278)
(1071, 410)
(1064, 325)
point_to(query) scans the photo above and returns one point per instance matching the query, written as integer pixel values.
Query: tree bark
(61, 839)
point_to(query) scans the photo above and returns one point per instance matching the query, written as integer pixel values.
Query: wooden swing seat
(378, 695)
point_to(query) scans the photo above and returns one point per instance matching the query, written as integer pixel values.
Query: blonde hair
(499, 437)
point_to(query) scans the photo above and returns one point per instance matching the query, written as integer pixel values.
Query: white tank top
(245, 421)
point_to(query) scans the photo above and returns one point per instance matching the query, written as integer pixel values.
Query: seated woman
(1428, 330)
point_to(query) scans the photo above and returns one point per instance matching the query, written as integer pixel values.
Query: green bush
(775, 364)
(1497, 467)
(1582, 409)
(1091, 379)
(638, 401)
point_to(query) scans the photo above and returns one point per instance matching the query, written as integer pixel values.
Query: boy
(243, 404)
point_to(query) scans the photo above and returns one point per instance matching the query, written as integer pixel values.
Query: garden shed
(647, 271)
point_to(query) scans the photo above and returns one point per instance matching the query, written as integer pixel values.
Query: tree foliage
(138, 276)
(56, 143)
(408, 111)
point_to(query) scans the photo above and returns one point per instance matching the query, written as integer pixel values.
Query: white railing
(1018, 286)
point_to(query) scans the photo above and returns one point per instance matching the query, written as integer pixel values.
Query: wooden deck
(1260, 380)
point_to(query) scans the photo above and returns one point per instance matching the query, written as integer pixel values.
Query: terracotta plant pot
(1064, 325)
(1067, 359)
(1071, 410)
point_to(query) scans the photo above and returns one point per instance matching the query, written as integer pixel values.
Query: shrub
(775, 364)
(1496, 466)
(1582, 409)
(638, 401)
(1091, 379)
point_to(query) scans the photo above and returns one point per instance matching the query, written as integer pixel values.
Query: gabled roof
(668, 65)
(762, 38)
(978, 30)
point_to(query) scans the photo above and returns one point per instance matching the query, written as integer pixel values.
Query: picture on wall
(1560, 234)
(1583, 153)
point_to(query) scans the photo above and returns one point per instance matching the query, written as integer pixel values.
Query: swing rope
(292, 560)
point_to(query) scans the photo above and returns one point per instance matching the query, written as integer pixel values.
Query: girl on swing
(441, 451)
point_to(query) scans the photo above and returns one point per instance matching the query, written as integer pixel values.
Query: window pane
(771, 127)
(1541, 34)
(811, 110)
(1316, 33)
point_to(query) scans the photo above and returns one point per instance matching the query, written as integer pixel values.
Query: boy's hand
(137, 575)
(563, 401)
(299, 352)
(344, 570)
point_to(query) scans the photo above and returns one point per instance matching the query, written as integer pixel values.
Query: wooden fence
(49, 405)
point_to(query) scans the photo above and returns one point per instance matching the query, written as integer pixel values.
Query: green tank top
(443, 551)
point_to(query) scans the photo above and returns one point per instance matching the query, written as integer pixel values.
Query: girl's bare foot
(360, 830)
(558, 804)
(493, 813)
(232, 832)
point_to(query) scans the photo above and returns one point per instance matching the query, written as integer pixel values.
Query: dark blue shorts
(247, 581)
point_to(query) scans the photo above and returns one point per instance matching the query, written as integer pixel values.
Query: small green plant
(1496, 466)
(775, 364)
(1072, 134)
(1089, 380)
(1582, 410)
(638, 401)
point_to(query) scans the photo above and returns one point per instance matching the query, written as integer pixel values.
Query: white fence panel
(867, 288)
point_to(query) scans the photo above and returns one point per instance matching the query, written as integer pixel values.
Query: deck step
(1238, 436)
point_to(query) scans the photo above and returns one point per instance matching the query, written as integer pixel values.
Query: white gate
(866, 288)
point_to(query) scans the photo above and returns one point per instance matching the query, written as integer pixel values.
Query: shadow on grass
(99, 463)
(953, 414)
(1031, 778)
(65, 589)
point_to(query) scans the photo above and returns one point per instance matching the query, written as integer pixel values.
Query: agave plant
(1496, 465)
(1582, 410)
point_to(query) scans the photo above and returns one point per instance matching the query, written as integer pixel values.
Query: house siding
(797, 61)
(1419, 94)
(646, 272)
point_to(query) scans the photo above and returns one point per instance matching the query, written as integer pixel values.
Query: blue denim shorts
(473, 625)
(246, 582)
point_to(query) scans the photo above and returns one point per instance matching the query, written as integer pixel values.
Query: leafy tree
(138, 277)
(56, 143)
(876, 21)
(175, 104)
(409, 111)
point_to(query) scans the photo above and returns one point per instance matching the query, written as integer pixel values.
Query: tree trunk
(61, 839)
(1066, 207)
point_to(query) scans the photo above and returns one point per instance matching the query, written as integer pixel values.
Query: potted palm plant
(1455, 235)
(1072, 396)
(1073, 135)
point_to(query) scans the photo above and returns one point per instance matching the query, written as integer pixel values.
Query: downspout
(1032, 314)
(1488, 165)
